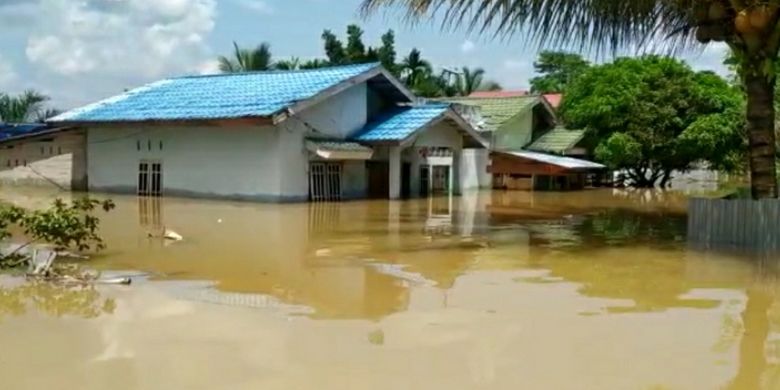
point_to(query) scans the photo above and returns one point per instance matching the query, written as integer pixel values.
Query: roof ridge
(367, 65)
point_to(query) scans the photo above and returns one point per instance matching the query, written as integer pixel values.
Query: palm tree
(26, 107)
(415, 68)
(750, 28)
(294, 63)
(470, 80)
(246, 60)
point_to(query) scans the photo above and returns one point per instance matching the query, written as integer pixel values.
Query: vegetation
(416, 72)
(26, 107)
(750, 27)
(247, 60)
(557, 70)
(65, 225)
(653, 115)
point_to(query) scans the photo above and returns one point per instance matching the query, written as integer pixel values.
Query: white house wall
(54, 160)
(474, 174)
(218, 162)
(340, 115)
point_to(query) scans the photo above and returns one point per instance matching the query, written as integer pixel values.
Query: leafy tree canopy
(652, 115)
(557, 70)
(26, 107)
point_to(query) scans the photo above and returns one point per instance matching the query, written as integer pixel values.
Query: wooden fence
(740, 224)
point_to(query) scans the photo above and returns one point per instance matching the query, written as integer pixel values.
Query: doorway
(150, 178)
(440, 179)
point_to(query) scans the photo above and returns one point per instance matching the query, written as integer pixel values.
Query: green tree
(26, 107)
(294, 63)
(653, 115)
(415, 69)
(356, 49)
(750, 28)
(470, 80)
(387, 54)
(557, 70)
(314, 64)
(246, 60)
(65, 225)
(334, 49)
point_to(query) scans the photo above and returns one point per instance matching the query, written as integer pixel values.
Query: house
(348, 132)
(528, 149)
(37, 154)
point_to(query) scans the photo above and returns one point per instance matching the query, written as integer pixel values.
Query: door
(441, 179)
(378, 179)
(425, 180)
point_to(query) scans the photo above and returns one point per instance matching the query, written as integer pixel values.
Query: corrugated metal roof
(8, 130)
(496, 112)
(234, 95)
(564, 162)
(558, 140)
(554, 99)
(400, 123)
(498, 94)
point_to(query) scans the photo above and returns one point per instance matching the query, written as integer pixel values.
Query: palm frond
(589, 25)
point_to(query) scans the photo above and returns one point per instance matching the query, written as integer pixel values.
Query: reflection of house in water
(440, 213)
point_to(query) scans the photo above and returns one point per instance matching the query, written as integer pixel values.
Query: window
(42, 151)
(150, 178)
(161, 145)
(138, 145)
(51, 150)
(59, 149)
(325, 182)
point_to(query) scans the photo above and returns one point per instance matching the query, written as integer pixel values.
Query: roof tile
(400, 123)
(235, 95)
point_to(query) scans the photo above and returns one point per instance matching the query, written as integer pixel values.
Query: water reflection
(18, 297)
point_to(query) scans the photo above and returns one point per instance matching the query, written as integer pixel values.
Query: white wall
(53, 160)
(340, 115)
(442, 134)
(227, 162)
(473, 173)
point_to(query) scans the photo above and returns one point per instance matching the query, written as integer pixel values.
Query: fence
(740, 224)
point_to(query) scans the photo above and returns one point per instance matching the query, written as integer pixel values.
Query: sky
(81, 51)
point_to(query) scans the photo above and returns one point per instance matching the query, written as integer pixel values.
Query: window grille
(325, 182)
(150, 178)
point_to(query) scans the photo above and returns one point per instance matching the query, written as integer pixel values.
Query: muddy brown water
(589, 290)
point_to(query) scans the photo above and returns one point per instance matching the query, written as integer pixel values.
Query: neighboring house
(554, 99)
(524, 141)
(327, 134)
(36, 154)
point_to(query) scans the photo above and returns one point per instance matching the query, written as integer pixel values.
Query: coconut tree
(26, 107)
(415, 68)
(470, 80)
(247, 60)
(751, 28)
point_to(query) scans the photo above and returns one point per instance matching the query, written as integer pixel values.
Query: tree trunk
(666, 179)
(761, 132)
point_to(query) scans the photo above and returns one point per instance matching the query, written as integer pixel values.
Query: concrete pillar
(455, 176)
(395, 172)
(414, 177)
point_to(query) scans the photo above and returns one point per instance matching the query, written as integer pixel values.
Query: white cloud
(514, 73)
(146, 38)
(468, 46)
(209, 67)
(260, 6)
(711, 58)
(7, 75)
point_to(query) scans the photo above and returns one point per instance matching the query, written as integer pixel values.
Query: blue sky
(79, 51)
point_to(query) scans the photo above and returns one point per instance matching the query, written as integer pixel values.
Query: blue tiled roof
(236, 95)
(8, 130)
(400, 123)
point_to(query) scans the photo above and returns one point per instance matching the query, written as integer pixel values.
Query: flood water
(589, 290)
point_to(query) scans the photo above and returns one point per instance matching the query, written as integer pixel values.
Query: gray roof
(564, 162)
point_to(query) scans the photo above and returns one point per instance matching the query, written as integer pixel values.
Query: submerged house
(347, 132)
(34, 154)
(528, 150)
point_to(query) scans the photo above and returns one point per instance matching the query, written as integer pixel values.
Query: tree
(246, 60)
(414, 68)
(557, 70)
(652, 115)
(314, 64)
(470, 80)
(386, 53)
(26, 107)
(750, 28)
(490, 86)
(334, 49)
(356, 50)
(294, 63)
(64, 225)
